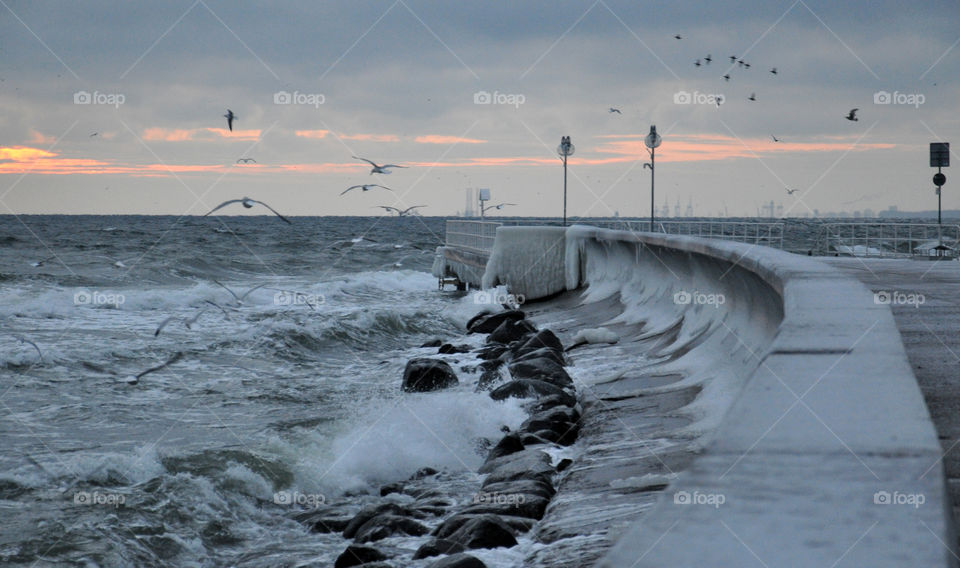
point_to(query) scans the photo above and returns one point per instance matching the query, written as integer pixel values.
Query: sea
(179, 391)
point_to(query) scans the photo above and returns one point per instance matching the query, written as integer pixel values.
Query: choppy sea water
(287, 399)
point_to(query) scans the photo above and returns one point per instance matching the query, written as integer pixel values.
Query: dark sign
(939, 154)
(939, 179)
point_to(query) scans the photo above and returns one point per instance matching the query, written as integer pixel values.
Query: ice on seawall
(528, 261)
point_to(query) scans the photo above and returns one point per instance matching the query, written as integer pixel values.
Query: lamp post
(652, 141)
(565, 149)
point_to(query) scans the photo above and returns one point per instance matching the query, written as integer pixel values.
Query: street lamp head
(566, 147)
(653, 139)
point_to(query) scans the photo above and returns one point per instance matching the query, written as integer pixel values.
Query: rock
(564, 464)
(448, 348)
(548, 402)
(356, 555)
(438, 546)
(543, 352)
(433, 343)
(543, 338)
(511, 330)
(330, 524)
(531, 388)
(423, 472)
(483, 313)
(518, 525)
(396, 487)
(489, 322)
(562, 422)
(484, 531)
(525, 486)
(527, 459)
(543, 369)
(514, 504)
(368, 513)
(507, 445)
(532, 440)
(492, 351)
(458, 561)
(490, 375)
(425, 375)
(387, 525)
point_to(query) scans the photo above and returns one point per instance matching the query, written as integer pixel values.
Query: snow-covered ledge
(827, 458)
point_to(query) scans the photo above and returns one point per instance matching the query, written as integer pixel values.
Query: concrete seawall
(825, 455)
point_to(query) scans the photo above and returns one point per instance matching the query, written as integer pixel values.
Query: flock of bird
(739, 62)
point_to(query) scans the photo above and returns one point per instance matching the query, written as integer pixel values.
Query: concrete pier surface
(925, 299)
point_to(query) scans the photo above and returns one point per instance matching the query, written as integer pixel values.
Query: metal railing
(480, 235)
(887, 240)
(472, 235)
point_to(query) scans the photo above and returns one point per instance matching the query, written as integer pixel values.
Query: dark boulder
(357, 555)
(395, 487)
(484, 531)
(548, 402)
(387, 525)
(458, 561)
(448, 348)
(489, 322)
(433, 343)
(543, 352)
(507, 445)
(531, 388)
(438, 546)
(514, 504)
(490, 375)
(511, 330)
(543, 369)
(492, 351)
(546, 418)
(543, 338)
(525, 486)
(531, 459)
(425, 375)
(370, 512)
(330, 524)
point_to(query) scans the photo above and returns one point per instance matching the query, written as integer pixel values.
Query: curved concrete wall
(826, 456)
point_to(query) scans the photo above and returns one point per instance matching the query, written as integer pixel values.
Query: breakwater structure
(801, 437)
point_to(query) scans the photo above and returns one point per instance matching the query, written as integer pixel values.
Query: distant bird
(726, 77)
(230, 118)
(746, 65)
(400, 213)
(248, 203)
(242, 297)
(752, 97)
(678, 36)
(696, 63)
(708, 59)
(733, 59)
(740, 63)
(119, 263)
(378, 169)
(41, 262)
(187, 322)
(615, 110)
(366, 187)
(499, 206)
(246, 161)
(774, 70)
(791, 191)
(25, 340)
(94, 134)
(775, 139)
(852, 115)
(134, 379)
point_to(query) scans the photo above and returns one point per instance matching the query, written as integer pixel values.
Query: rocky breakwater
(519, 474)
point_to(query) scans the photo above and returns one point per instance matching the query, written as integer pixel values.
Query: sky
(117, 107)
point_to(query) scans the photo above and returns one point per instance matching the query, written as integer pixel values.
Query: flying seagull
(733, 59)
(774, 70)
(248, 203)
(615, 110)
(678, 36)
(740, 63)
(696, 63)
(708, 59)
(366, 187)
(378, 169)
(94, 134)
(752, 97)
(791, 191)
(25, 340)
(230, 118)
(239, 299)
(186, 322)
(852, 115)
(400, 213)
(726, 77)
(775, 139)
(134, 379)
(747, 65)
(246, 161)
